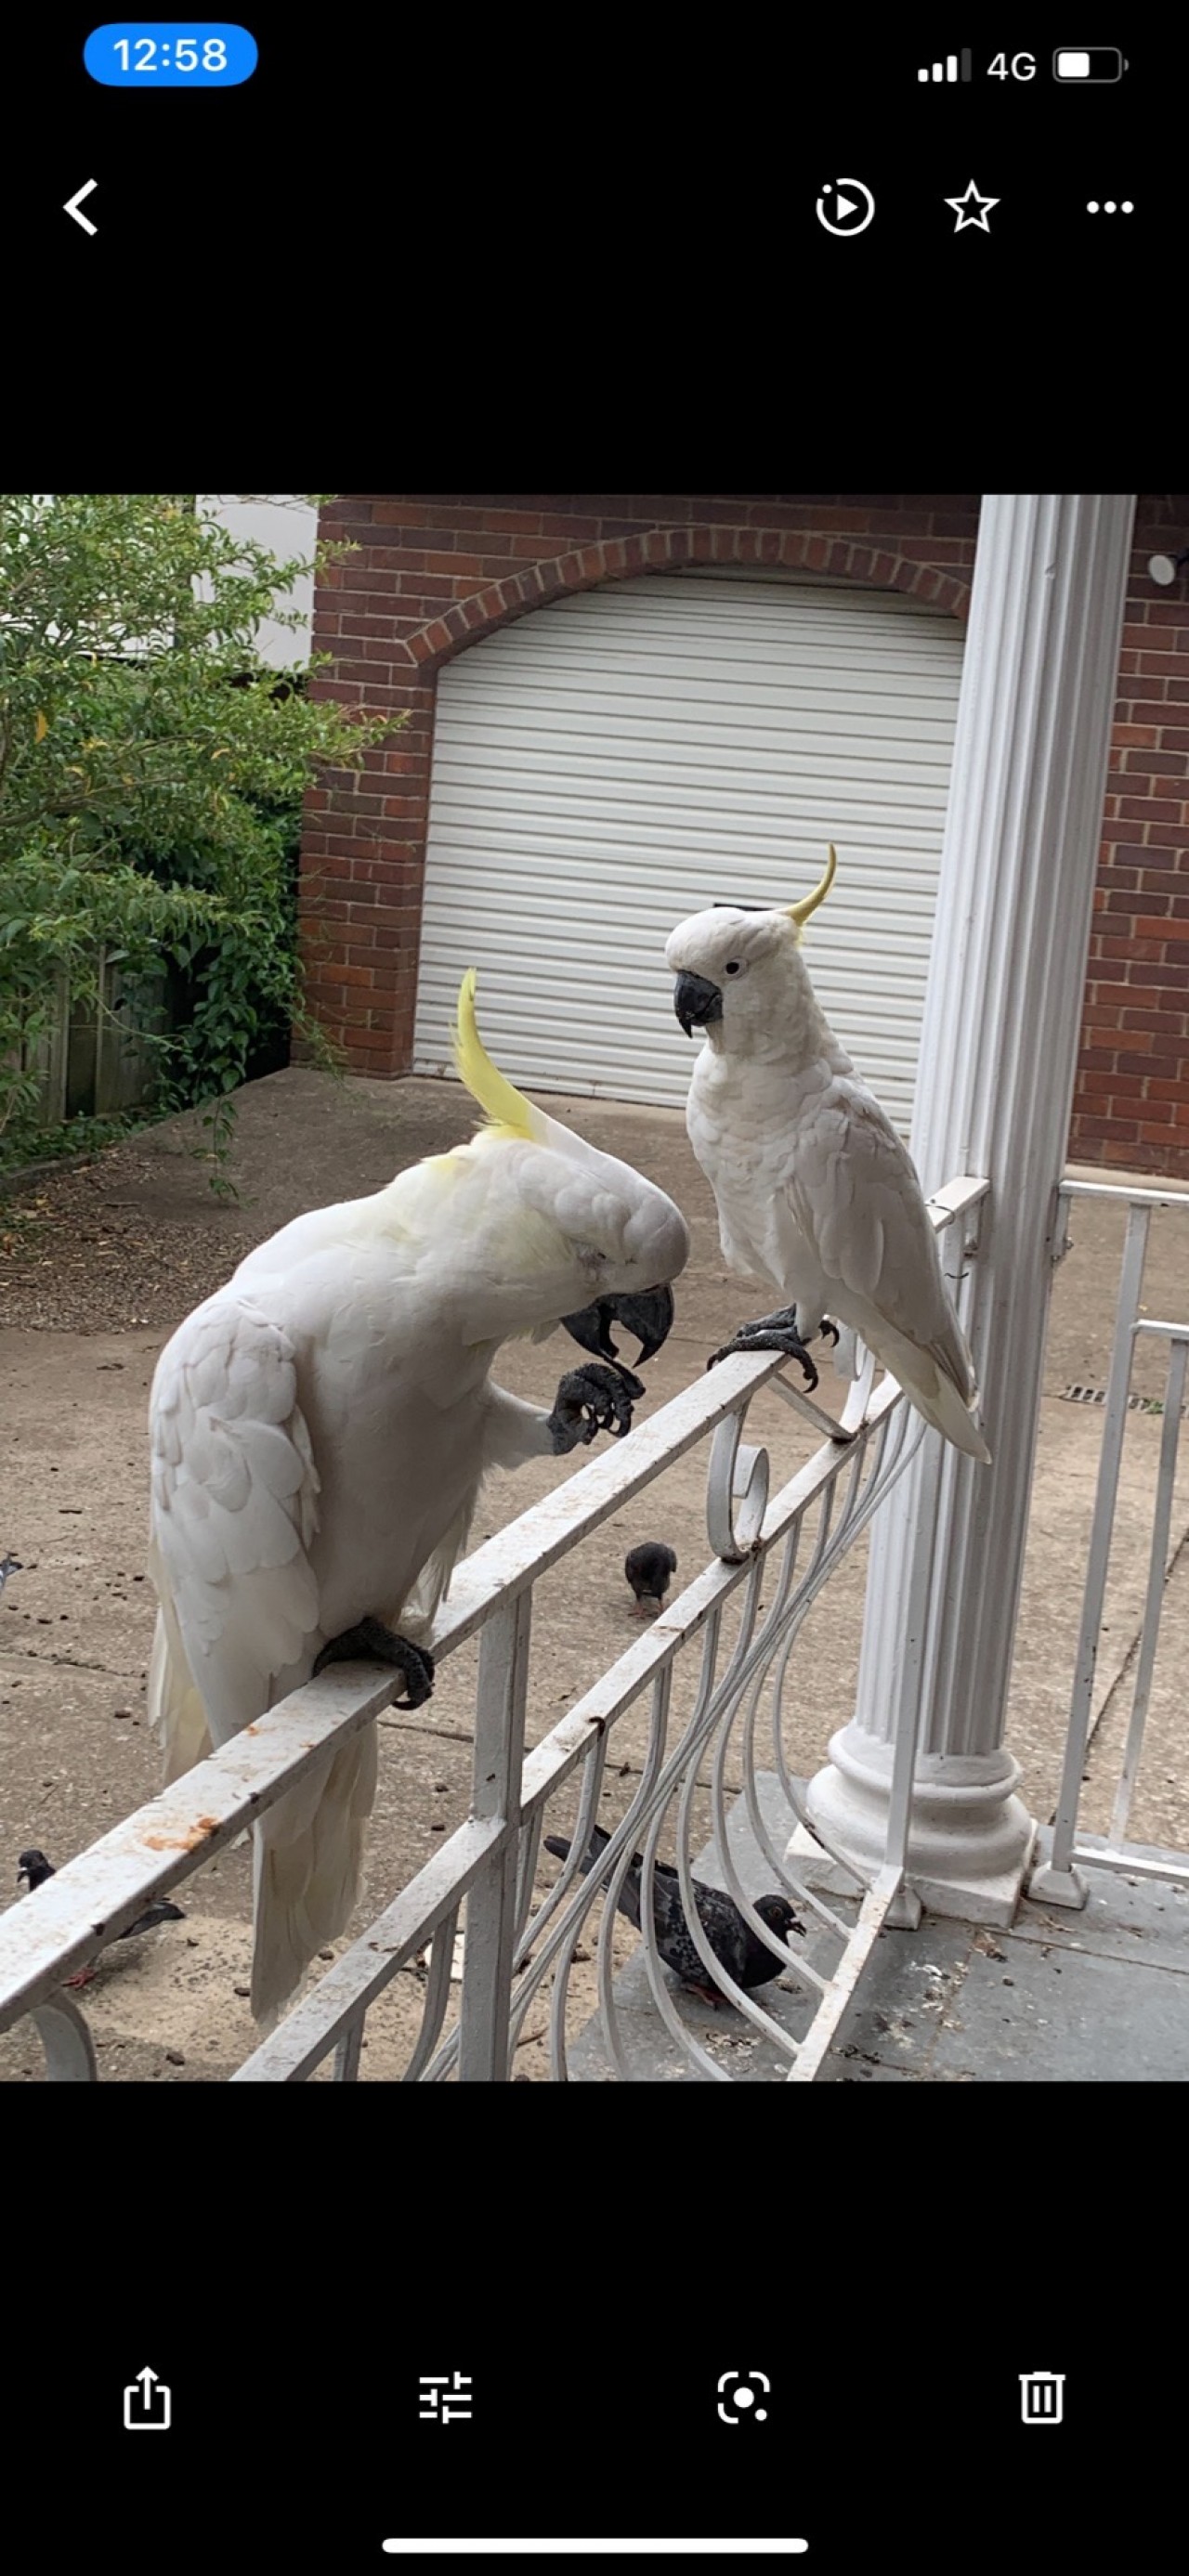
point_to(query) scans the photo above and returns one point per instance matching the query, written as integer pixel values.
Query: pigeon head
(779, 1915)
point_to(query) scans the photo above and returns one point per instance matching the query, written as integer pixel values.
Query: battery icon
(1088, 63)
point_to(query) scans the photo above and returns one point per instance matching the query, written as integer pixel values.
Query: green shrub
(152, 768)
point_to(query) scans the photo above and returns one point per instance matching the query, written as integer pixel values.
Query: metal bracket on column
(1049, 1886)
(1062, 1242)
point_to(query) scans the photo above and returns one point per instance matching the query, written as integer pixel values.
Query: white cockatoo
(815, 1190)
(320, 1429)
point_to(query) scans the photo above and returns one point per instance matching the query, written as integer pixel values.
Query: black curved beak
(647, 1313)
(697, 1002)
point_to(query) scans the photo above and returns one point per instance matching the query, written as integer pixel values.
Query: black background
(501, 240)
(292, 2320)
(595, 133)
(581, 254)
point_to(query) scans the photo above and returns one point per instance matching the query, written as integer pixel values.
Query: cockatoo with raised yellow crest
(320, 1429)
(814, 1189)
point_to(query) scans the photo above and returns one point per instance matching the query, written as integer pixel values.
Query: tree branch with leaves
(152, 768)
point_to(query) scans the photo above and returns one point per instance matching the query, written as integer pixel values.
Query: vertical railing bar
(563, 1938)
(1130, 1283)
(716, 1972)
(684, 1762)
(437, 1995)
(735, 1889)
(526, 1868)
(347, 2052)
(1174, 1394)
(536, 1925)
(699, 2058)
(491, 1900)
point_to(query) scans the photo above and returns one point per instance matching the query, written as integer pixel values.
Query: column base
(971, 1838)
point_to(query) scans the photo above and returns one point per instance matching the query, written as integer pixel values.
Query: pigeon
(648, 1568)
(740, 1950)
(8, 1565)
(34, 1869)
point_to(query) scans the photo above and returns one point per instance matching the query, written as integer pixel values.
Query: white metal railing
(1057, 1880)
(490, 1862)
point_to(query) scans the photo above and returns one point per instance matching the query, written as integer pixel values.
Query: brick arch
(363, 853)
(662, 550)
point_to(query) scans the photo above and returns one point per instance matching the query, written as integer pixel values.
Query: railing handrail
(1056, 1881)
(150, 1852)
(1119, 1190)
(93, 1898)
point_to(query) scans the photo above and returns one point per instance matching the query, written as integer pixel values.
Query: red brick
(1131, 949)
(1118, 1128)
(1111, 1085)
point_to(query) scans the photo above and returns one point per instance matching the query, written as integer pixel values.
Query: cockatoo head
(568, 1207)
(738, 970)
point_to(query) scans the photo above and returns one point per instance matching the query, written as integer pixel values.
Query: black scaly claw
(372, 1643)
(590, 1400)
(768, 1337)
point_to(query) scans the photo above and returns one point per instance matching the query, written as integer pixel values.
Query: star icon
(972, 210)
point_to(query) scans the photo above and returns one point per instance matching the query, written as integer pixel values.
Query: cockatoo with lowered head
(320, 1429)
(814, 1188)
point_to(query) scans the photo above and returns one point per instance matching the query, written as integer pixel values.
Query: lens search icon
(740, 2404)
(845, 207)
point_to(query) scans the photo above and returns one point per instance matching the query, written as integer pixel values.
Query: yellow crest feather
(505, 1107)
(800, 912)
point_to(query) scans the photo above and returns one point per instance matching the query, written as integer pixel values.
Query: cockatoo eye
(732, 966)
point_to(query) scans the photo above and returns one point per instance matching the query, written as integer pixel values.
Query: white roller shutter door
(614, 762)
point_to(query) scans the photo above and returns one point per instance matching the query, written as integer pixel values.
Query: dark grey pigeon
(34, 1869)
(740, 1950)
(648, 1568)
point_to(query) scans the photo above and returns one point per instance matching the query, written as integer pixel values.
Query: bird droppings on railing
(199, 1832)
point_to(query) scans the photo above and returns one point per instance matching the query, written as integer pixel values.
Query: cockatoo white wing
(234, 1512)
(234, 1509)
(854, 1193)
(176, 1714)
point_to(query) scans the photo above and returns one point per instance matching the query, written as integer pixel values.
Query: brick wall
(1131, 1105)
(432, 574)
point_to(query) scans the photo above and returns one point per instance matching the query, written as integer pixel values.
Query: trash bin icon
(1041, 2396)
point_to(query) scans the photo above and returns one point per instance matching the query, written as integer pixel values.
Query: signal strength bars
(948, 70)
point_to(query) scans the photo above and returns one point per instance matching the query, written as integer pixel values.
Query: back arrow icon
(73, 206)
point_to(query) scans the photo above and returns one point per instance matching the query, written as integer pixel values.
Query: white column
(998, 1057)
